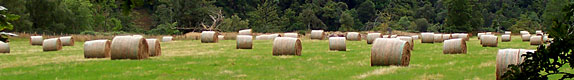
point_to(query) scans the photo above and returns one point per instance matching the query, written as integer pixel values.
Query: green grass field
(190, 59)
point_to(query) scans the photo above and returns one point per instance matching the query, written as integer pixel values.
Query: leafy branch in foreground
(548, 61)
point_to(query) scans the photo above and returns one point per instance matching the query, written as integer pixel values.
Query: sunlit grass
(190, 59)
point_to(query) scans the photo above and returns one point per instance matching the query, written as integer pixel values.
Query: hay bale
(154, 47)
(166, 39)
(385, 36)
(293, 35)
(539, 32)
(446, 36)
(524, 32)
(141, 36)
(97, 49)
(415, 37)
(393, 36)
(536, 40)
(427, 37)
(286, 46)
(371, 37)
(209, 37)
(410, 41)
(464, 36)
(337, 43)
(507, 57)
(128, 47)
(454, 46)
(387, 52)
(480, 34)
(67, 41)
(261, 37)
(353, 36)
(489, 41)
(244, 42)
(273, 36)
(245, 32)
(488, 33)
(4, 47)
(438, 38)
(317, 34)
(526, 37)
(507, 32)
(506, 38)
(36, 40)
(220, 37)
(53, 44)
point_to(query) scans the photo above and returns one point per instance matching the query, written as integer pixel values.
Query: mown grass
(190, 59)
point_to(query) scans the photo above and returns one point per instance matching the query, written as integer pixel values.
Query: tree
(553, 11)
(403, 23)
(458, 16)
(265, 18)
(347, 21)
(233, 24)
(6, 18)
(553, 59)
(422, 24)
(366, 11)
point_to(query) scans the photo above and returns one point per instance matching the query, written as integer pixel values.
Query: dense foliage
(550, 60)
(142, 16)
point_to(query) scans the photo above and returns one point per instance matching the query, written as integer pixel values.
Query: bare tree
(216, 17)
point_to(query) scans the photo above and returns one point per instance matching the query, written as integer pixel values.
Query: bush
(88, 33)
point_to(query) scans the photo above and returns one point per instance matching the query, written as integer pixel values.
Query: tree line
(164, 16)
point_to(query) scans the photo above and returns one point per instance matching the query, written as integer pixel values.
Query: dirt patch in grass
(430, 77)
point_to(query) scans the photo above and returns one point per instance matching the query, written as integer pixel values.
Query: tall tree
(366, 11)
(266, 17)
(458, 16)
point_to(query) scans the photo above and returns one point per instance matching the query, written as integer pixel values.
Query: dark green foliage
(550, 60)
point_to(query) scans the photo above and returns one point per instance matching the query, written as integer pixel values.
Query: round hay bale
(220, 37)
(393, 36)
(454, 46)
(128, 47)
(488, 33)
(337, 43)
(539, 32)
(507, 33)
(292, 35)
(154, 47)
(167, 39)
(36, 40)
(446, 36)
(317, 34)
(353, 36)
(273, 36)
(53, 44)
(141, 36)
(489, 41)
(387, 52)
(524, 32)
(4, 47)
(261, 37)
(415, 37)
(506, 38)
(409, 40)
(464, 36)
(526, 37)
(385, 36)
(67, 41)
(286, 46)
(244, 42)
(97, 49)
(427, 37)
(438, 38)
(480, 34)
(371, 37)
(209, 37)
(507, 57)
(245, 32)
(536, 40)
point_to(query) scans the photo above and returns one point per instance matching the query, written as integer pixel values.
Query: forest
(271, 16)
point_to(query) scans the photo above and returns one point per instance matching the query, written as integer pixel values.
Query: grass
(190, 59)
